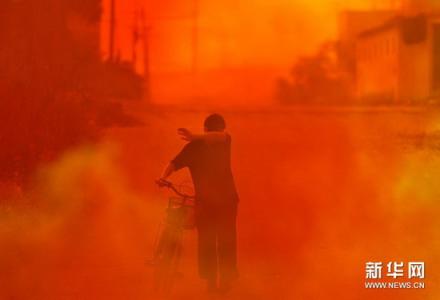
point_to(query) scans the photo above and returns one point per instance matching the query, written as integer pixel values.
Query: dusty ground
(322, 193)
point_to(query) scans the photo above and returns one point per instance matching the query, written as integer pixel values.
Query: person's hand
(162, 182)
(185, 134)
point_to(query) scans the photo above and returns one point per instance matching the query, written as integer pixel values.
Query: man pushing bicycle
(208, 157)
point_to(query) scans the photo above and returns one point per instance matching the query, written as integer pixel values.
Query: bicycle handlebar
(171, 186)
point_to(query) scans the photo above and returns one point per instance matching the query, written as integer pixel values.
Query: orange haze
(239, 42)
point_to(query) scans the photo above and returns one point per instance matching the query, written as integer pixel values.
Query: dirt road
(322, 193)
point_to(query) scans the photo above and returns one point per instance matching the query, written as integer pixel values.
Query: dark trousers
(217, 245)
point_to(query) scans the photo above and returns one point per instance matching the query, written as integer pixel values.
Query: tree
(53, 85)
(315, 79)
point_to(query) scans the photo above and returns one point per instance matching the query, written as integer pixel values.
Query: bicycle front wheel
(167, 260)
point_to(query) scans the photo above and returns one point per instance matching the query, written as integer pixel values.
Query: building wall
(353, 23)
(415, 72)
(392, 70)
(378, 68)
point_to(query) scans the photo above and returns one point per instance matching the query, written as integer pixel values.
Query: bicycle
(168, 244)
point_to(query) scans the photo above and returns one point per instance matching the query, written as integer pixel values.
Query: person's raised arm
(210, 137)
(170, 168)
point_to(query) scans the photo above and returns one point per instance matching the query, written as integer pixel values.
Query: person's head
(214, 122)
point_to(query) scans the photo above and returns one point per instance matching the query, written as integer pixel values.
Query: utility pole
(135, 35)
(146, 43)
(111, 47)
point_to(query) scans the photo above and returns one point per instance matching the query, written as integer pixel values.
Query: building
(399, 61)
(351, 24)
(397, 54)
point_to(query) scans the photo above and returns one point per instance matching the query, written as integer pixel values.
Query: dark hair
(215, 122)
